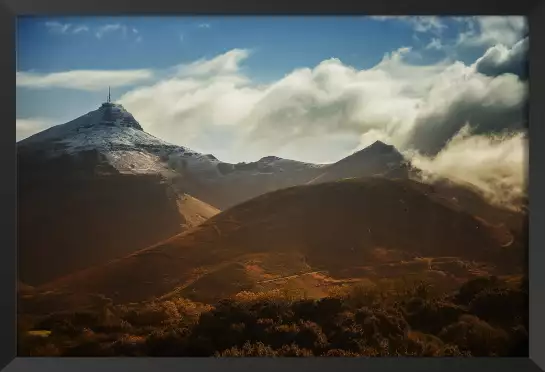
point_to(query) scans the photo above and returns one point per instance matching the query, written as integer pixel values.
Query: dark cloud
(501, 60)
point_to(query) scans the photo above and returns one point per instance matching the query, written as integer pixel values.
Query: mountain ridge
(104, 159)
(296, 229)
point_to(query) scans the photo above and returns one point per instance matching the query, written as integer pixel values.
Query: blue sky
(229, 81)
(281, 43)
(278, 45)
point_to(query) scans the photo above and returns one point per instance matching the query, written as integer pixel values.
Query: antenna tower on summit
(109, 96)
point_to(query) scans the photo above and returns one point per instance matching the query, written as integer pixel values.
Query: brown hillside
(341, 228)
(72, 215)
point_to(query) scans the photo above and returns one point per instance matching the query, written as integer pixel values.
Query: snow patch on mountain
(135, 162)
(115, 133)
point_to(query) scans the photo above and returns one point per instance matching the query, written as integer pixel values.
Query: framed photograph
(273, 185)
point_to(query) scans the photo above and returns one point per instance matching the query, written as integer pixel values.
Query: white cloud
(106, 29)
(81, 28)
(29, 126)
(492, 30)
(66, 28)
(460, 19)
(204, 25)
(58, 27)
(213, 106)
(496, 164)
(227, 63)
(90, 80)
(432, 24)
(460, 94)
(181, 37)
(435, 43)
(409, 106)
(427, 23)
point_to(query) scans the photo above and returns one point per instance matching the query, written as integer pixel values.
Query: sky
(449, 91)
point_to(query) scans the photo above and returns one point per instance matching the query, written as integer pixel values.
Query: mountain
(94, 189)
(237, 183)
(114, 142)
(100, 187)
(377, 159)
(312, 236)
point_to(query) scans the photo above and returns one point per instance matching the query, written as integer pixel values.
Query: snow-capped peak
(107, 115)
(110, 130)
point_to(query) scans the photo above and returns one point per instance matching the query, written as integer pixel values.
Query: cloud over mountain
(496, 164)
(419, 107)
(89, 80)
(500, 59)
(323, 112)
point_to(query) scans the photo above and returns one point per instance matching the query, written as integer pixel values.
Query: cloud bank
(89, 80)
(419, 109)
(27, 127)
(496, 164)
(492, 30)
(464, 122)
(500, 59)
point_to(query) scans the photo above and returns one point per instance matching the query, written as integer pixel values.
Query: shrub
(277, 310)
(310, 336)
(293, 350)
(363, 294)
(257, 349)
(519, 342)
(339, 353)
(430, 316)
(505, 307)
(46, 350)
(472, 288)
(476, 336)
(228, 325)
(423, 344)
(130, 345)
(327, 309)
(148, 315)
(35, 346)
(167, 343)
(305, 309)
(280, 335)
(59, 324)
(381, 322)
(89, 348)
(420, 290)
(349, 338)
(360, 322)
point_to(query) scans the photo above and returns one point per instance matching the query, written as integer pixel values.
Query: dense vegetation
(486, 316)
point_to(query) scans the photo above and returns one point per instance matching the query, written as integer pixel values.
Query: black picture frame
(10, 9)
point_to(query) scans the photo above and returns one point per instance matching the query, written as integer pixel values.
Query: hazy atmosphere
(217, 126)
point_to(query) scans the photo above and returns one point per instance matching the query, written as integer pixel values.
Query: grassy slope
(75, 213)
(343, 228)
